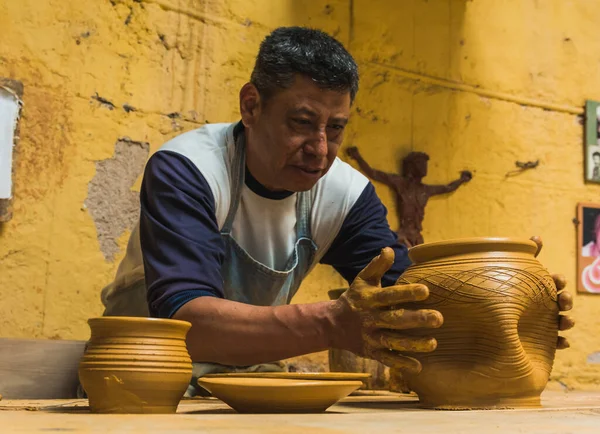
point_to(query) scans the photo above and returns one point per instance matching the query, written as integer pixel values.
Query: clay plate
(337, 376)
(276, 395)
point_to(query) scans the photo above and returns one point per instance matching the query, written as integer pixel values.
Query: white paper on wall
(9, 115)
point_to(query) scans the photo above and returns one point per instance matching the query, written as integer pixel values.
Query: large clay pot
(496, 346)
(135, 365)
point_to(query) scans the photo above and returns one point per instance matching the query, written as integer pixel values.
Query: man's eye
(302, 121)
(336, 127)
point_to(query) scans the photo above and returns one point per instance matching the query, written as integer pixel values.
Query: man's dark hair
(288, 51)
(596, 154)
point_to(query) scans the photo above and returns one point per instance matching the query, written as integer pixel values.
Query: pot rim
(462, 246)
(136, 320)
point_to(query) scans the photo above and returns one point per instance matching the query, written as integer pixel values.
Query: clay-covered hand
(353, 152)
(565, 302)
(466, 176)
(369, 319)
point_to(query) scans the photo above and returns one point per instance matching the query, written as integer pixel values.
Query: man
(411, 194)
(234, 216)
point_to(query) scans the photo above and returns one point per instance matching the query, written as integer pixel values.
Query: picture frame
(588, 248)
(592, 141)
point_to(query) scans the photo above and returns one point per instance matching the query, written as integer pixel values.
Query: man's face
(596, 159)
(293, 138)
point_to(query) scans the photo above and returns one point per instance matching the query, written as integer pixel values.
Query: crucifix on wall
(410, 193)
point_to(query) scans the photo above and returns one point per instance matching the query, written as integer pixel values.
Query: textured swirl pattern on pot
(497, 344)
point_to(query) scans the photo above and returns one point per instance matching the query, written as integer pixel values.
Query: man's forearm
(238, 334)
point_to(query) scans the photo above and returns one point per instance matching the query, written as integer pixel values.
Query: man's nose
(317, 146)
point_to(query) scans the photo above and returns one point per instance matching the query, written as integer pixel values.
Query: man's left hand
(565, 302)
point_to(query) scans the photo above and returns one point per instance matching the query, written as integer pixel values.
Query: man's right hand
(370, 319)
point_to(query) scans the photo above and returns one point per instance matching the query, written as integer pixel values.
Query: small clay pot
(496, 346)
(135, 365)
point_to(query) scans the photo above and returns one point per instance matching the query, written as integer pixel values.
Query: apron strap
(238, 170)
(303, 215)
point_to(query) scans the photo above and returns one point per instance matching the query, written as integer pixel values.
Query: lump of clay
(496, 346)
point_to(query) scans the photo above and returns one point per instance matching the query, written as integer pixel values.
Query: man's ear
(249, 104)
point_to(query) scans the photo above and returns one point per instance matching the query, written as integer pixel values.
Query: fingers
(565, 301)
(559, 281)
(562, 343)
(397, 361)
(390, 340)
(403, 319)
(565, 323)
(393, 295)
(373, 272)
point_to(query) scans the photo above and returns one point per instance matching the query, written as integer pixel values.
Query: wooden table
(562, 412)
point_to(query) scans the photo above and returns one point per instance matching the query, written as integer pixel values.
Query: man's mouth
(310, 170)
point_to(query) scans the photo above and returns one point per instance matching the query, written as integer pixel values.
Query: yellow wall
(465, 81)
(51, 266)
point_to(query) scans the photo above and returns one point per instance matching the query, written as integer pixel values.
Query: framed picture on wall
(592, 141)
(588, 248)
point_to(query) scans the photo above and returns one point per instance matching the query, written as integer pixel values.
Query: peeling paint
(110, 202)
(594, 357)
(103, 101)
(128, 108)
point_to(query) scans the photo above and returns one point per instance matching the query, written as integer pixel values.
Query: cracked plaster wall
(114, 207)
(96, 71)
(447, 77)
